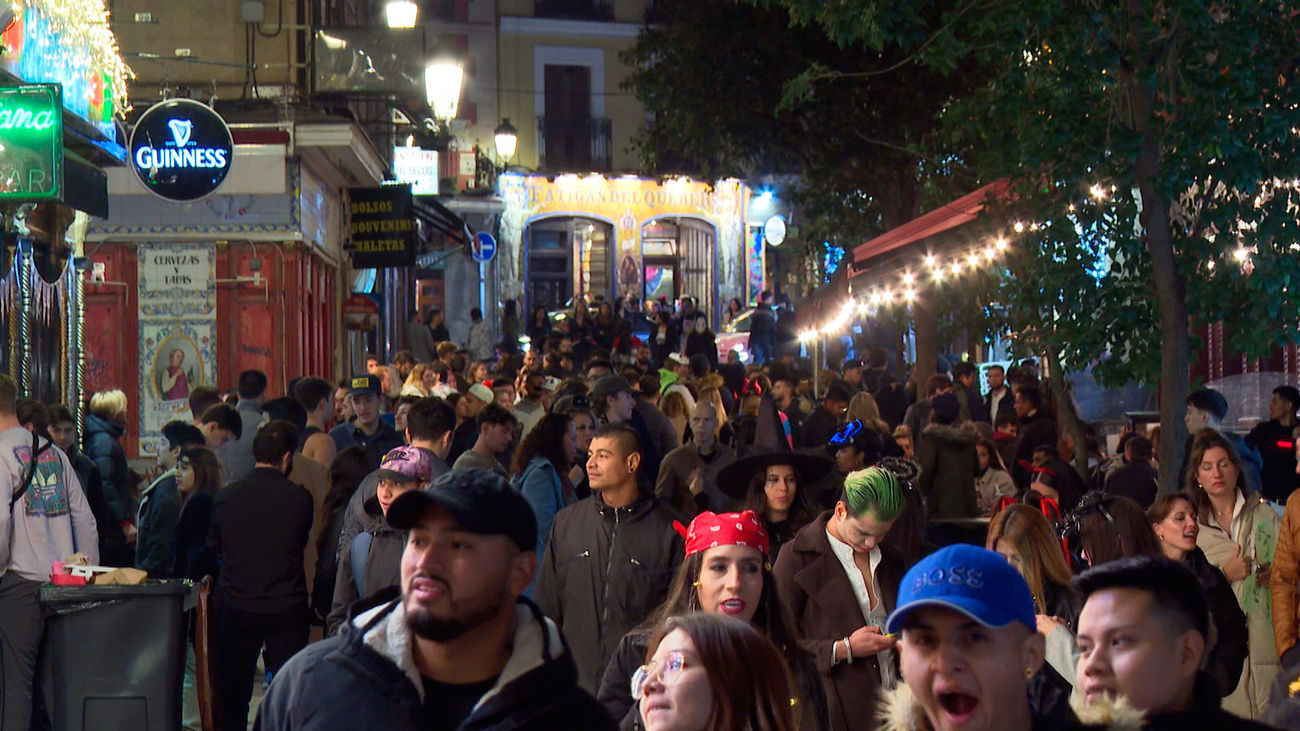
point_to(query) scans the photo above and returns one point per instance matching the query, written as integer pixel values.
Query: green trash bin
(113, 657)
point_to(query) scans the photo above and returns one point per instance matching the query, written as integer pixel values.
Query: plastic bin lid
(51, 594)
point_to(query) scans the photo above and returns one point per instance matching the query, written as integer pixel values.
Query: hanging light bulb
(908, 279)
(1001, 243)
(956, 268)
(1019, 227)
(401, 13)
(931, 261)
(974, 259)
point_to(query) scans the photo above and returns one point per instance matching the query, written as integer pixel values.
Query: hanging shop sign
(31, 132)
(382, 227)
(416, 166)
(360, 312)
(484, 247)
(181, 150)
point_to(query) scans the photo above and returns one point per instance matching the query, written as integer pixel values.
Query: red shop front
(275, 312)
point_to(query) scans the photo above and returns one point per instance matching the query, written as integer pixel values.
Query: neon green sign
(31, 142)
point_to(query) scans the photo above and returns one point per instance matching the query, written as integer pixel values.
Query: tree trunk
(927, 352)
(1171, 291)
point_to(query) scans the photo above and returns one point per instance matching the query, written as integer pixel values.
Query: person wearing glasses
(838, 579)
(1238, 533)
(707, 672)
(726, 572)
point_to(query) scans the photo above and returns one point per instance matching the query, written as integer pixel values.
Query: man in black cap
(825, 419)
(459, 646)
(367, 430)
(614, 401)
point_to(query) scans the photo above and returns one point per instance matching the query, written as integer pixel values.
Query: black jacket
(361, 679)
(259, 528)
(948, 462)
(1136, 480)
(1036, 430)
(103, 445)
(1228, 654)
(1274, 442)
(383, 564)
(604, 571)
(111, 537)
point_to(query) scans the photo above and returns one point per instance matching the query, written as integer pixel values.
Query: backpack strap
(357, 555)
(30, 472)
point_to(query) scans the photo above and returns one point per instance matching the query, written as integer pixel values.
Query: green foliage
(735, 90)
(1076, 92)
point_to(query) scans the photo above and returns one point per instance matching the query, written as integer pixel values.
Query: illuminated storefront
(598, 237)
(62, 93)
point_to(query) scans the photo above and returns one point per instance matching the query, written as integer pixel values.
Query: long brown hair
(1041, 556)
(546, 439)
(1207, 439)
(802, 511)
(1115, 526)
(206, 467)
(750, 681)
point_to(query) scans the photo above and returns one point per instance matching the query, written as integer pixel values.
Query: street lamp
(401, 13)
(507, 137)
(442, 82)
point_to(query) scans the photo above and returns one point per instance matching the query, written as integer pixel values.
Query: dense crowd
(608, 531)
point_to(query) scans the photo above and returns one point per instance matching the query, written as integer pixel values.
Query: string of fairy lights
(903, 284)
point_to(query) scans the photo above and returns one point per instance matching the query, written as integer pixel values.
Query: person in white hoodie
(44, 517)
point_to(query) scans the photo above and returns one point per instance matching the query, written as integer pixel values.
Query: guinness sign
(181, 150)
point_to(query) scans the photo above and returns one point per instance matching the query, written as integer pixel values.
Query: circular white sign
(774, 230)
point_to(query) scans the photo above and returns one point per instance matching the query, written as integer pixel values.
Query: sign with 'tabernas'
(382, 227)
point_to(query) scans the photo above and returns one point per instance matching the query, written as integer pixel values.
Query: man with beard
(459, 647)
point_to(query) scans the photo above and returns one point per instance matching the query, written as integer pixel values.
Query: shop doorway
(678, 256)
(568, 257)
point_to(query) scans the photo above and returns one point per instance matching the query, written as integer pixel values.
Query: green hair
(874, 489)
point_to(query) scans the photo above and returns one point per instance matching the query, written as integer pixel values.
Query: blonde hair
(109, 405)
(1041, 555)
(863, 407)
(415, 379)
(714, 397)
(673, 404)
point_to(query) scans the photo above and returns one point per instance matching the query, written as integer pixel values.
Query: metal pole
(25, 315)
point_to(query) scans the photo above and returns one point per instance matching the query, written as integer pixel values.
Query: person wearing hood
(610, 557)
(373, 560)
(1143, 634)
(948, 461)
(457, 645)
(968, 649)
(105, 426)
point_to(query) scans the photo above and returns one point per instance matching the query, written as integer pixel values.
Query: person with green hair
(839, 581)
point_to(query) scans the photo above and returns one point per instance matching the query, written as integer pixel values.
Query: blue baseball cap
(967, 579)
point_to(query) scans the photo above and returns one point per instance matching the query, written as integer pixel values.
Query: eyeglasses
(666, 672)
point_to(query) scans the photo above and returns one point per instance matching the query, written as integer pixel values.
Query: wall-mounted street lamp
(442, 84)
(401, 13)
(507, 139)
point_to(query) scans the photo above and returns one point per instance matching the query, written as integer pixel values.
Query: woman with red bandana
(726, 571)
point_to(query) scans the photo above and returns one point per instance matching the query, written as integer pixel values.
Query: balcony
(574, 9)
(574, 145)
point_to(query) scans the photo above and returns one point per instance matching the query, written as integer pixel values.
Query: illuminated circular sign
(181, 150)
(774, 230)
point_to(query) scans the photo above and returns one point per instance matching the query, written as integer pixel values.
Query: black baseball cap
(608, 386)
(364, 383)
(480, 501)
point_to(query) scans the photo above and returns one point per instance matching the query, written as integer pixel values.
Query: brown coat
(1286, 576)
(817, 593)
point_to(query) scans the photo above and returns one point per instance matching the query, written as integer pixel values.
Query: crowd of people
(600, 532)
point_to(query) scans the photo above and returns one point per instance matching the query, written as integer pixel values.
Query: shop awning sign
(382, 227)
(181, 150)
(31, 142)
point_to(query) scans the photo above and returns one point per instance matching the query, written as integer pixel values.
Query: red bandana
(710, 530)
